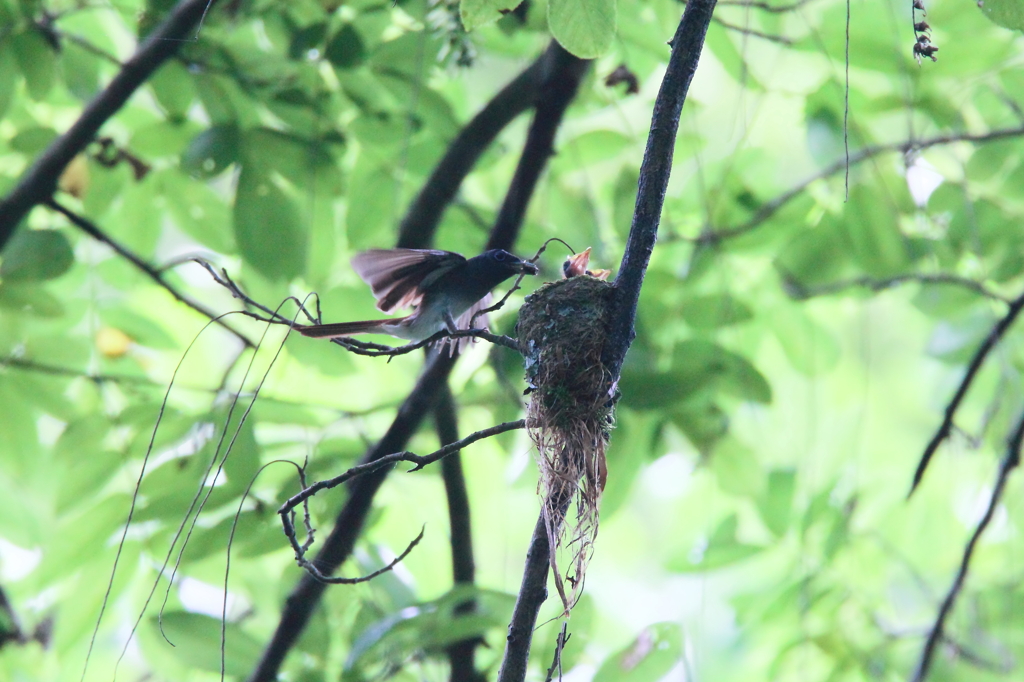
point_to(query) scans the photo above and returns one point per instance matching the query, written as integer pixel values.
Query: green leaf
(721, 45)
(196, 640)
(476, 13)
(1005, 13)
(81, 70)
(346, 49)
(816, 256)
(432, 626)
(31, 141)
(173, 88)
(371, 205)
(776, 504)
(810, 348)
(654, 652)
(37, 62)
(211, 151)
(736, 469)
(35, 255)
(8, 77)
(141, 329)
(714, 311)
(268, 230)
(31, 299)
(632, 440)
(722, 549)
(199, 211)
(872, 230)
(585, 28)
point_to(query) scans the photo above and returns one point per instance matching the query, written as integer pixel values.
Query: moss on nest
(562, 329)
(561, 334)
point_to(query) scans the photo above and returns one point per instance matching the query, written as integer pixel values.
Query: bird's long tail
(350, 328)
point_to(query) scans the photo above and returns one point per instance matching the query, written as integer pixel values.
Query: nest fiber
(562, 330)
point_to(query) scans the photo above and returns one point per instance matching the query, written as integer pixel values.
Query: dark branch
(563, 73)
(1010, 461)
(94, 231)
(770, 208)
(387, 460)
(972, 370)
(329, 580)
(461, 654)
(40, 180)
(654, 174)
(424, 215)
(339, 543)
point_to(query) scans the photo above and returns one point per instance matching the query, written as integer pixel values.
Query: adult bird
(445, 289)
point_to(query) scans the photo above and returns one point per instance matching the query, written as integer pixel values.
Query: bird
(446, 290)
(576, 265)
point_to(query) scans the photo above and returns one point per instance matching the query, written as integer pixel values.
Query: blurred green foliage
(785, 378)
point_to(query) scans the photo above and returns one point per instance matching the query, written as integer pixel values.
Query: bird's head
(503, 261)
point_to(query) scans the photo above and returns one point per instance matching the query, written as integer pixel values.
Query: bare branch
(771, 207)
(336, 580)
(461, 657)
(394, 458)
(782, 40)
(93, 231)
(764, 6)
(972, 370)
(39, 182)
(1010, 461)
(802, 291)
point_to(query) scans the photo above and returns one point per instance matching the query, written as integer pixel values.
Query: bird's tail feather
(349, 328)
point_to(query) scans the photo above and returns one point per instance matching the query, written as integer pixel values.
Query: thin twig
(394, 458)
(972, 370)
(769, 208)
(774, 9)
(801, 291)
(1010, 461)
(96, 233)
(782, 40)
(556, 662)
(337, 580)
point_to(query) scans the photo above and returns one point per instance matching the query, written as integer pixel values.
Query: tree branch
(1010, 461)
(424, 215)
(40, 180)
(563, 73)
(972, 370)
(801, 291)
(654, 174)
(461, 654)
(94, 231)
(386, 461)
(770, 208)
(339, 543)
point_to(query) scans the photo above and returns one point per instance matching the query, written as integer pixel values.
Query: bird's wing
(398, 277)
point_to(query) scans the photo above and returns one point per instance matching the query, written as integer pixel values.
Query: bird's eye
(499, 256)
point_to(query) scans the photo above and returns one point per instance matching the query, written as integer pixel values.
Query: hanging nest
(561, 330)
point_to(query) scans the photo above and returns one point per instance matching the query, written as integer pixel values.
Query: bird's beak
(526, 267)
(576, 265)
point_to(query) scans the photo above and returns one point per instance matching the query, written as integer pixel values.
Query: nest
(561, 332)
